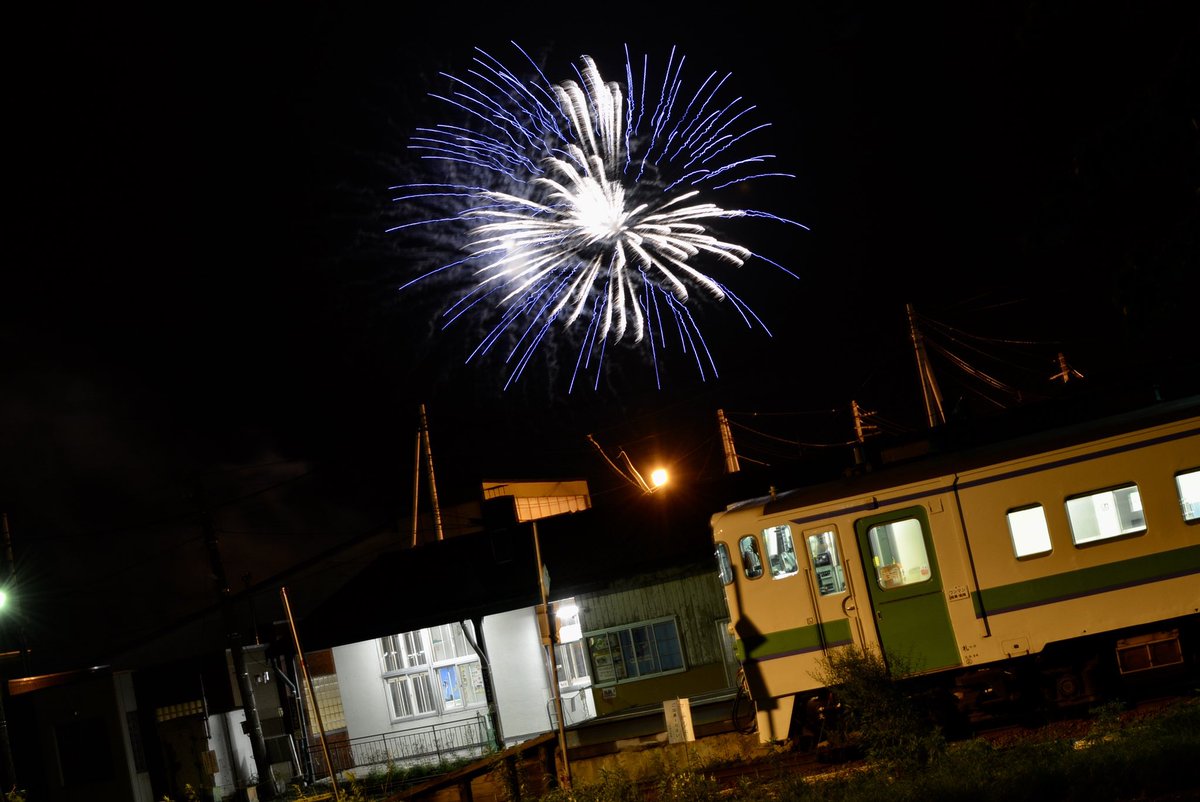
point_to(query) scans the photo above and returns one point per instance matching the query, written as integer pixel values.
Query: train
(1050, 570)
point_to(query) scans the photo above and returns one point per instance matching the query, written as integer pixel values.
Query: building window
(427, 671)
(639, 651)
(449, 642)
(1188, 485)
(329, 703)
(781, 552)
(751, 559)
(404, 651)
(462, 685)
(1106, 514)
(1030, 535)
(724, 564)
(898, 553)
(827, 565)
(572, 665)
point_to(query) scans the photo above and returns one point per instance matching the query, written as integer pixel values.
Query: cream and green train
(1053, 565)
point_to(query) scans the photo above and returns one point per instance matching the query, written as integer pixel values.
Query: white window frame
(407, 675)
(429, 672)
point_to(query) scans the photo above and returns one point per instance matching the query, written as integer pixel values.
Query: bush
(872, 710)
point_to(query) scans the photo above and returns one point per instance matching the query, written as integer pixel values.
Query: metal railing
(432, 744)
(575, 709)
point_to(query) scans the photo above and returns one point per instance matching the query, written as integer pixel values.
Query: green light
(3, 598)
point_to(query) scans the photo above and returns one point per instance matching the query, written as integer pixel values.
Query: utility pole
(312, 694)
(930, 391)
(258, 745)
(1065, 371)
(544, 590)
(731, 458)
(861, 429)
(423, 440)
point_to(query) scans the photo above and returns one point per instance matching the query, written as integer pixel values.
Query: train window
(827, 566)
(1030, 535)
(1188, 484)
(751, 559)
(898, 553)
(781, 552)
(724, 564)
(1106, 514)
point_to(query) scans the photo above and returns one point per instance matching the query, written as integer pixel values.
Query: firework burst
(586, 207)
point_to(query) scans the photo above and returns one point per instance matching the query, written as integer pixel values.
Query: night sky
(202, 310)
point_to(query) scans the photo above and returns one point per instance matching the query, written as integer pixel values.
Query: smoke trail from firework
(587, 206)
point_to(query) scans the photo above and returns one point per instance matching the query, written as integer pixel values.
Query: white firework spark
(589, 205)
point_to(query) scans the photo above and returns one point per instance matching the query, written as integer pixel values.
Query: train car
(1049, 566)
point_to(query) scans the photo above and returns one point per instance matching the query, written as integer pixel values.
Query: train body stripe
(788, 642)
(1089, 581)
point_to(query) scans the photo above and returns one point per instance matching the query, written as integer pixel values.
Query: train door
(830, 590)
(905, 588)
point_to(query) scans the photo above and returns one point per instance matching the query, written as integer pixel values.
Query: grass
(1151, 759)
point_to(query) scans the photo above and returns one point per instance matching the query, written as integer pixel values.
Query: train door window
(1106, 514)
(898, 553)
(1030, 535)
(827, 565)
(781, 552)
(751, 558)
(724, 564)
(1188, 484)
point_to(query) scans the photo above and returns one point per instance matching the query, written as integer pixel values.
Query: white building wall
(364, 697)
(235, 756)
(519, 673)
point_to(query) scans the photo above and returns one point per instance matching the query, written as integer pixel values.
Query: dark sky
(202, 301)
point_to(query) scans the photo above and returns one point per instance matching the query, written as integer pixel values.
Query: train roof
(950, 450)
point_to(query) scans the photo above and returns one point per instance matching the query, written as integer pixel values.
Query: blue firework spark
(587, 206)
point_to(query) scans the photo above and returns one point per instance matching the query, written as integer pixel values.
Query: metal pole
(312, 694)
(565, 779)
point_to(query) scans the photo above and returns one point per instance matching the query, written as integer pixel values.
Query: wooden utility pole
(930, 391)
(312, 694)
(731, 458)
(564, 778)
(423, 441)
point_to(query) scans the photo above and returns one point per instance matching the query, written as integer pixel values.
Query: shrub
(875, 712)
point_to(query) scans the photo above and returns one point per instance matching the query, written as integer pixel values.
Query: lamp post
(544, 588)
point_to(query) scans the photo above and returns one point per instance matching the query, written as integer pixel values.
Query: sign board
(678, 713)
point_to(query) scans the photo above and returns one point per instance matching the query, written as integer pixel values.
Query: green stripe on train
(791, 641)
(1088, 581)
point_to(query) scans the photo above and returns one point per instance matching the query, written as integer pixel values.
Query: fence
(432, 744)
